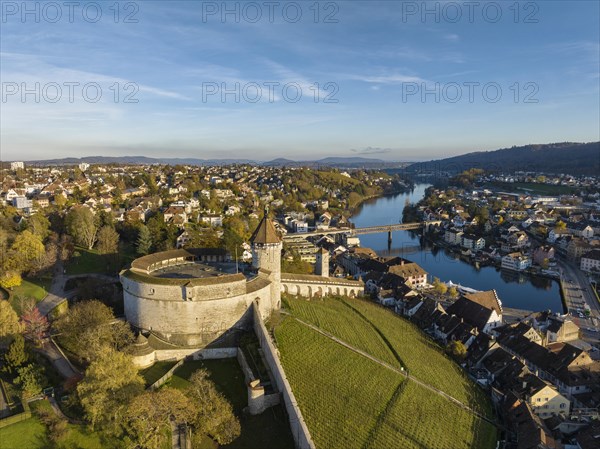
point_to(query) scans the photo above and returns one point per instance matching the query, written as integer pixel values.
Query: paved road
(4, 408)
(63, 366)
(578, 292)
(57, 293)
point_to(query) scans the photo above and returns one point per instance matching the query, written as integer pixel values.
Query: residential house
(516, 262)
(414, 275)
(590, 261)
(580, 229)
(561, 330)
(542, 397)
(212, 220)
(555, 233)
(577, 247)
(482, 310)
(543, 254)
(453, 236)
(175, 215)
(472, 242)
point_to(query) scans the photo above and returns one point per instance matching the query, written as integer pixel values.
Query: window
(563, 405)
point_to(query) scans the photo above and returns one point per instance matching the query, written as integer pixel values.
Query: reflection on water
(515, 289)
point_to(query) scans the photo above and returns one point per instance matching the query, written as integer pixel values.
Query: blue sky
(375, 58)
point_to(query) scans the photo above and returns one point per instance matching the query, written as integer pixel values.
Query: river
(515, 290)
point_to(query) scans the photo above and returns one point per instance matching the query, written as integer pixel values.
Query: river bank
(517, 290)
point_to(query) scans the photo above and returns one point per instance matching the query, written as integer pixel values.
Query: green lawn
(269, 430)
(90, 261)
(36, 288)
(533, 188)
(349, 401)
(31, 434)
(156, 371)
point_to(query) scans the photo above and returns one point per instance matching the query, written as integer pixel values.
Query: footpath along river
(515, 290)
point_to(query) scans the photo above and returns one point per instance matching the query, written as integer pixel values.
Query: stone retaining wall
(299, 428)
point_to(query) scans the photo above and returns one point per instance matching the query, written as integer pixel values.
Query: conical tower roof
(265, 232)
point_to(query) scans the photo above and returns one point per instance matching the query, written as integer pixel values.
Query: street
(578, 292)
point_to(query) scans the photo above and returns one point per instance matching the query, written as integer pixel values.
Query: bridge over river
(367, 230)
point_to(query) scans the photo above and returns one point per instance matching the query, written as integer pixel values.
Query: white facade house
(516, 262)
(591, 261)
(17, 165)
(22, 202)
(453, 236)
(472, 242)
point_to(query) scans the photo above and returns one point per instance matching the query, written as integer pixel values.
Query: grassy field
(90, 261)
(31, 434)
(337, 318)
(418, 419)
(156, 371)
(349, 401)
(269, 430)
(532, 188)
(341, 394)
(422, 356)
(36, 288)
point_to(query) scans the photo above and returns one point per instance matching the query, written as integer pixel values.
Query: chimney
(524, 384)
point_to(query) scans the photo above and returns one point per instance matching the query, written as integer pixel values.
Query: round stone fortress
(194, 297)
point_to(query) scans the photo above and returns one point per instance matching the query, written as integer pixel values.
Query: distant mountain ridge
(340, 162)
(565, 157)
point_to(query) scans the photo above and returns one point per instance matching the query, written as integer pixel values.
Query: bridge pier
(390, 239)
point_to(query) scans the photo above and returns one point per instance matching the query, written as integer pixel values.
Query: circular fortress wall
(185, 298)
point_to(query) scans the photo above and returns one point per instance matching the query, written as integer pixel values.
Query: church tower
(266, 254)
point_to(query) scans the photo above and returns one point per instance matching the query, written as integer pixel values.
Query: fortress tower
(266, 254)
(322, 264)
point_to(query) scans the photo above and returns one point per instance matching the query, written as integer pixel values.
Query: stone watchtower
(322, 264)
(266, 254)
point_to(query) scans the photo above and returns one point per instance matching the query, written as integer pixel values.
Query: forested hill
(566, 157)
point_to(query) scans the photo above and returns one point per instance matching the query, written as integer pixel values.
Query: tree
(214, 414)
(110, 382)
(31, 379)
(560, 226)
(108, 240)
(39, 225)
(439, 286)
(9, 320)
(16, 356)
(81, 225)
(144, 240)
(26, 249)
(65, 247)
(36, 326)
(90, 326)
(47, 260)
(453, 292)
(150, 413)
(10, 279)
(457, 349)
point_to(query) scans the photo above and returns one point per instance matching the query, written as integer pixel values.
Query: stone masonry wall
(299, 428)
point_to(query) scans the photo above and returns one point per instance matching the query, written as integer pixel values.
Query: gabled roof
(471, 311)
(265, 232)
(488, 299)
